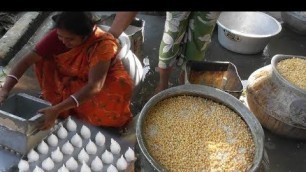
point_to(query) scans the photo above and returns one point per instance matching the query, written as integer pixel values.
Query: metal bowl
(212, 94)
(246, 32)
(295, 20)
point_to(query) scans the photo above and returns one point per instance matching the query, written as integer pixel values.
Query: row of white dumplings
(57, 155)
(76, 140)
(71, 125)
(72, 164)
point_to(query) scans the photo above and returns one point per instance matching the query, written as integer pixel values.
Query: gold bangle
(75, 100)
(14, 77)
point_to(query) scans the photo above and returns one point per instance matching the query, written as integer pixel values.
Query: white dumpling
(71, 164)
(62, 132)
(67, 148)
(91, 148)
(107, 157)
(71, 125)
(38, 169)
(96, 164)
(121, 163)
(112, 168)
(100, 139)
(57, 155)
(43, 148)
(32, 156)
(83, 156)
(130, 155)
(85, 167)
(47, 164)
(63, 169)
(52, 140)
(115, 147)
(23, 165)
(76, 140)
(85, 132)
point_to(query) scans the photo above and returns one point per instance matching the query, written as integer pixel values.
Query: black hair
(79, 23)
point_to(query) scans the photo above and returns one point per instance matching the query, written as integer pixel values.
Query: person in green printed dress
(186, 37)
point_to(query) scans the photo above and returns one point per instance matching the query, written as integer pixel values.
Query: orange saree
(66, 73)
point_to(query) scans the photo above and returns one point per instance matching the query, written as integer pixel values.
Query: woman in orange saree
(78, 73)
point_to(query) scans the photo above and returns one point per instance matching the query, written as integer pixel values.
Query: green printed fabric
(187, 35)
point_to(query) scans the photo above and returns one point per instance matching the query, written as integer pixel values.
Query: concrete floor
(285, 155)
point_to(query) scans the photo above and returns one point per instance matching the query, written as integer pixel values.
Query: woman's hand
(49, 117)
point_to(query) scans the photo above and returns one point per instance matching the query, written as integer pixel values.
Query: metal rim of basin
(215, 95)
(223, 15)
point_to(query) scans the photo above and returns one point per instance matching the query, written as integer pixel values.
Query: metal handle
(34, 118)
(231, 36)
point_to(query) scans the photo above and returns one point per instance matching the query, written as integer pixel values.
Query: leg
(201, 26)
(164, 75)
(175, 28)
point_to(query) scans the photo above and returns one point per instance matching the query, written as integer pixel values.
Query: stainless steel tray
(18, 110)
(218, 74)
(108, 133)
(18, 122)
(8, 160)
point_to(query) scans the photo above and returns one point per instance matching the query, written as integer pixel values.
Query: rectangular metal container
(18, 122)
(217, 74)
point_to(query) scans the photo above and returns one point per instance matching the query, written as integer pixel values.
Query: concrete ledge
(14, 39)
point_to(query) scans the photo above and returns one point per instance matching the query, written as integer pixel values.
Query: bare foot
(160, 88)
(182, 78)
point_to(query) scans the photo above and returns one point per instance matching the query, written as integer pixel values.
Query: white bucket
(129, 59)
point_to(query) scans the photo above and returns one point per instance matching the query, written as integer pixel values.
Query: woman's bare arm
(121, 22)
(97, 76)
(18, 70)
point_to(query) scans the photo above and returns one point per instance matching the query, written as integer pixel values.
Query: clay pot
(279, 105)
